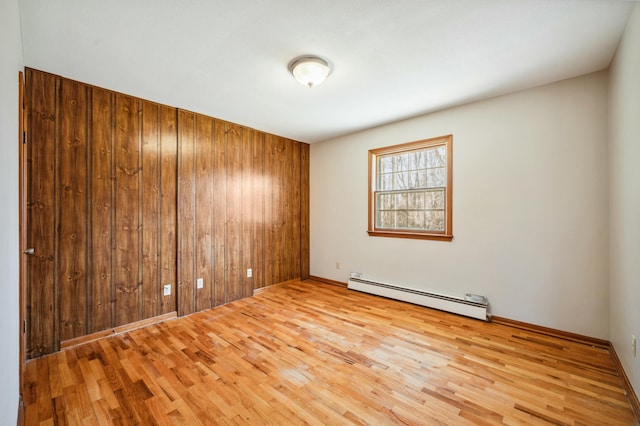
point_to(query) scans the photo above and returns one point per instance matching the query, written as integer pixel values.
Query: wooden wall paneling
(72, 221)
(293, 248)
(100, 216)
(145, 195)
(203, 203)
(257, 190)
(304, 212)
(151, 288)
(219, 213)
(127, 214)
(279, 218)
(41, 300)
(247, 212)
(186, 212)
(234, 212)
(269, 199)
(168, 205)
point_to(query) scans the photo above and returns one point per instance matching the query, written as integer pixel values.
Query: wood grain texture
(310, 353)
(41, 292)
(203, 218)
(233, 214)
(150, 211)
(127, 195)
(186, 212)
(71, 200)
(305, 254)
(96, 161)
(127, 256)
(101, 190)
(168, 226)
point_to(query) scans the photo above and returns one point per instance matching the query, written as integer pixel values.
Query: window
(410, 190)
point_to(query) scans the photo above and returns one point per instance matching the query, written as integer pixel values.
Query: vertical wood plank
(100, 182)
(279, 199)
(186, 212)
(219, 213)
(41, 307)
(72, 208)
(127, 244)
(204, 201)
(168, 218)
(247, 211)
(304, 212)
(234, 211)
(151, 285)
(258, 192)
(268, 229)
(293, 211)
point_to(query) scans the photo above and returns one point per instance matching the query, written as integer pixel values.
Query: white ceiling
(392, 59)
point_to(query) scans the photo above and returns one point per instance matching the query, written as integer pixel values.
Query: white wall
(530, 207)
(10, 64)
(624, 166)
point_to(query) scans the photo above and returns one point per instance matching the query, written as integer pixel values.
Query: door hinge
(24, 137)
(24, 326)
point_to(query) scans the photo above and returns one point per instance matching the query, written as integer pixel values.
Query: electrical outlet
(166, 290)
(633, 345)
(249, 273)
(337, 264)
(199, 283)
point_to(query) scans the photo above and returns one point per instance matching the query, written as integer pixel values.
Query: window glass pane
(401, 181)
(400, 201)
(385, 164)
(435, 220)
(416, 219)
(416, 200)
(386, 182)
(422, 179)
(422, 159)
(384, 201)
(401, 219)
(436, 177)
(434, 199)
(437, 157)
(414, 181)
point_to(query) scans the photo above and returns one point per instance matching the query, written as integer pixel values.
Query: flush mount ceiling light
(309, 70)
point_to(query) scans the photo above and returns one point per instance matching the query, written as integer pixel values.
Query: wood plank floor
(311, 353)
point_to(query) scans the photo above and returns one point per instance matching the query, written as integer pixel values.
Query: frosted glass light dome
(309, 70)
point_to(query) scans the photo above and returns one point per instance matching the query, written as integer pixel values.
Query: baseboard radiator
(473, 306)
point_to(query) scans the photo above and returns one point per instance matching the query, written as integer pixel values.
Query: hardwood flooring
(311, 353)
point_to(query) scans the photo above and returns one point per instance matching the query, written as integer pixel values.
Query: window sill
(412, 235)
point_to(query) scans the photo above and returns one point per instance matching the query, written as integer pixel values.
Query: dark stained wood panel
(234, 206)
(100, 219)
(127, 209)
(168, 203)
(304, 212)
(271, 197)
(247, 212)
(101, 210)
(186, 212)
(219, 213)
(41, 292)
(293, 211)
(71, 199)
(151, 285)
(203, 217)
(126, 196)
(257, 210)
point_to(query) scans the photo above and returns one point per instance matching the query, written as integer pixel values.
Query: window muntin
(410, 190)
